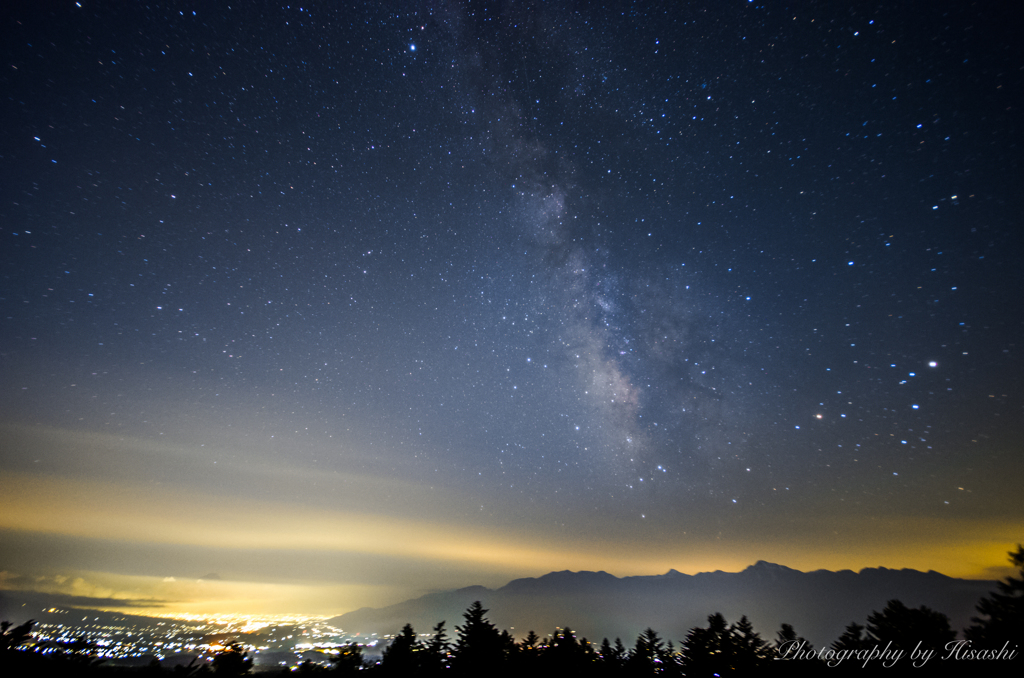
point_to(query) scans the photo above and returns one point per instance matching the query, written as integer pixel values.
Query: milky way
(659, 286)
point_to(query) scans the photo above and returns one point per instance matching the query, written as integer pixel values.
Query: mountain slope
(596, 604)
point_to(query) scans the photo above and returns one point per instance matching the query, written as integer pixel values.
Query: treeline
(898, 639)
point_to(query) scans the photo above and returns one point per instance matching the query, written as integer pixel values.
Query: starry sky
(314, 306)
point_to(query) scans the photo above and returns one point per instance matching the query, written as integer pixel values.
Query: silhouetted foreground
(900, 640)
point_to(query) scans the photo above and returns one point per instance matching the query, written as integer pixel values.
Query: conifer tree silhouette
(12, 660)
(1001, 613)
(797, 656)
(401, 657)
(435, 655)
(479, 649)
(853, 639)
(349, 660)
(620, 651)
(526, 660)
(671, 662)
(749, 652)
(707, 651)
(233, 660)
(13, 637)
(564, 655)
(611, 658)
(909, 628)
(787, 638)
(509, 648)
(647, 655)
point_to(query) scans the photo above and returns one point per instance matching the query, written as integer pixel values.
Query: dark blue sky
(627, 288)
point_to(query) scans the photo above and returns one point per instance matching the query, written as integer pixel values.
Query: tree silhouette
(620, 651)
(706, 651)
(1001, 612)
(479, 648)
(434, 657)
(563, 654)
(13, 637)
(508, 647)
(797, 656)
(907, 628)
(647, 655)
(75, 658)
(233, 660)
(716, 650)
(401, 657)
(671, 661)
(611, 658)
(12, 660)
(526, 659)
(348, 660)
(749, 652)
(852, 639)
(787, 639)
(721, 649)
(530, 642)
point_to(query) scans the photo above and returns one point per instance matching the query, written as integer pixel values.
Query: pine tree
(400, 658)
(233, 660)
(479, 647)
(612, 658)
(853, 638)
(906, 628)
(348, 660)
(14, 662)
(671, 666)
(797, 656)
(646, 657)
(435, 656)
(749, 652)
(527, 656)
(564, 654)
(787, 643)
(12, 637)
(1001, 612)
(707, 651)
(509, 649)
(530, 643)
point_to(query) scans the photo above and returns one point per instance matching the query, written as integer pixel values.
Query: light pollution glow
(222, 517)
(552, 291)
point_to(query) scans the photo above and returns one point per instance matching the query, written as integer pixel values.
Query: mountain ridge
(819, 604)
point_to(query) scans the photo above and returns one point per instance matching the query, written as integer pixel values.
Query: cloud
(72, 591)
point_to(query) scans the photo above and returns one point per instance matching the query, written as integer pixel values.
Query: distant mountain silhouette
(818, 604)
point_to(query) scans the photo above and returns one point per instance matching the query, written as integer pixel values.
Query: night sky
(313, 306)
